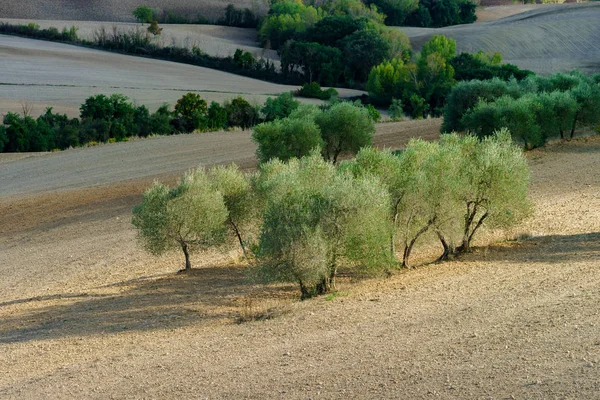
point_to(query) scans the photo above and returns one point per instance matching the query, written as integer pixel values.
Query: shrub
(217, 117)
(287, 138)
(395, 111)
(279, 107)
(241, 113)
(190, 216)
(313, 90)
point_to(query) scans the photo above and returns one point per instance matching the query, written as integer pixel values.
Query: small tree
(143, 14)
(345, 128)
(496, 177)
(191, 109)
(237, 194)
(190, 216)
(287, 138)
(241, 113)
(317, 219)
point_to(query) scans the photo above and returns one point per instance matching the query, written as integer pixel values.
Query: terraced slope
(545, 40)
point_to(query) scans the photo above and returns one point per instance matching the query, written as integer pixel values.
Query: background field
(545, 40)
(62, 76)
(85, 313)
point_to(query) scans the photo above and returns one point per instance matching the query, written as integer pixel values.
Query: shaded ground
(85, 313)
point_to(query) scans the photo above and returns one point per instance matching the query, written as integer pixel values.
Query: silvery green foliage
(190, 216)
(318, 219)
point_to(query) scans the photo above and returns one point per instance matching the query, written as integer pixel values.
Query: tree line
(534, 109)
(306, 219)
(115, 118)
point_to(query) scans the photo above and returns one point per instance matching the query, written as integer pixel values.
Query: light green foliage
(317, 219)
(287, 17)
(495, 178)
(423, 85)
(190, 216)
(143, 14)
(399, 44)
(441, 45)
(345, 128)
(279, 107)
(237, 194)
(389, 79)
(287, 138)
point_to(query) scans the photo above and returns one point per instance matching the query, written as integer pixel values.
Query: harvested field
(53, 74)
(492, 13)
(215, 40)
(85, 313)
(114, 10)
(544, 40)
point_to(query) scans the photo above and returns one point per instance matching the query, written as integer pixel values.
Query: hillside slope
(110, 10)
(545, 40)
(86, 314)
(45, 74)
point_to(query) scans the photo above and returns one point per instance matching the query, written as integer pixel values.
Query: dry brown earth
(492, 13)
(86, 314)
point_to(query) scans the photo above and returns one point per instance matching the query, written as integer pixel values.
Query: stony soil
(85, 313)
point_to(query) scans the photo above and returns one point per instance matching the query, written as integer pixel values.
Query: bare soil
(43, 74)
(545, 40)
(86, 314)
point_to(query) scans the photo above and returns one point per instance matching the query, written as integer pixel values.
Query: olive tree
(317, 219)
(237, 194)
(494, 187)
(345, 128)
(190, 216)
(286, 138)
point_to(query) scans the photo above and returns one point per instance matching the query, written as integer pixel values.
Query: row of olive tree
(311, 219)
(534, 109)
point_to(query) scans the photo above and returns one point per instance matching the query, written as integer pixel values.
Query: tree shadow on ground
(205, 295)
(550, 249)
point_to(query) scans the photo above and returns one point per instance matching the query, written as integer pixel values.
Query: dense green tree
(241, 113)
(143, 14)
(279, 107)
(345, 128)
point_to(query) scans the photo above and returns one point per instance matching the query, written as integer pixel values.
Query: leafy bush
(313, 90)
(395, 111)
(241, 113)
(279, 107)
